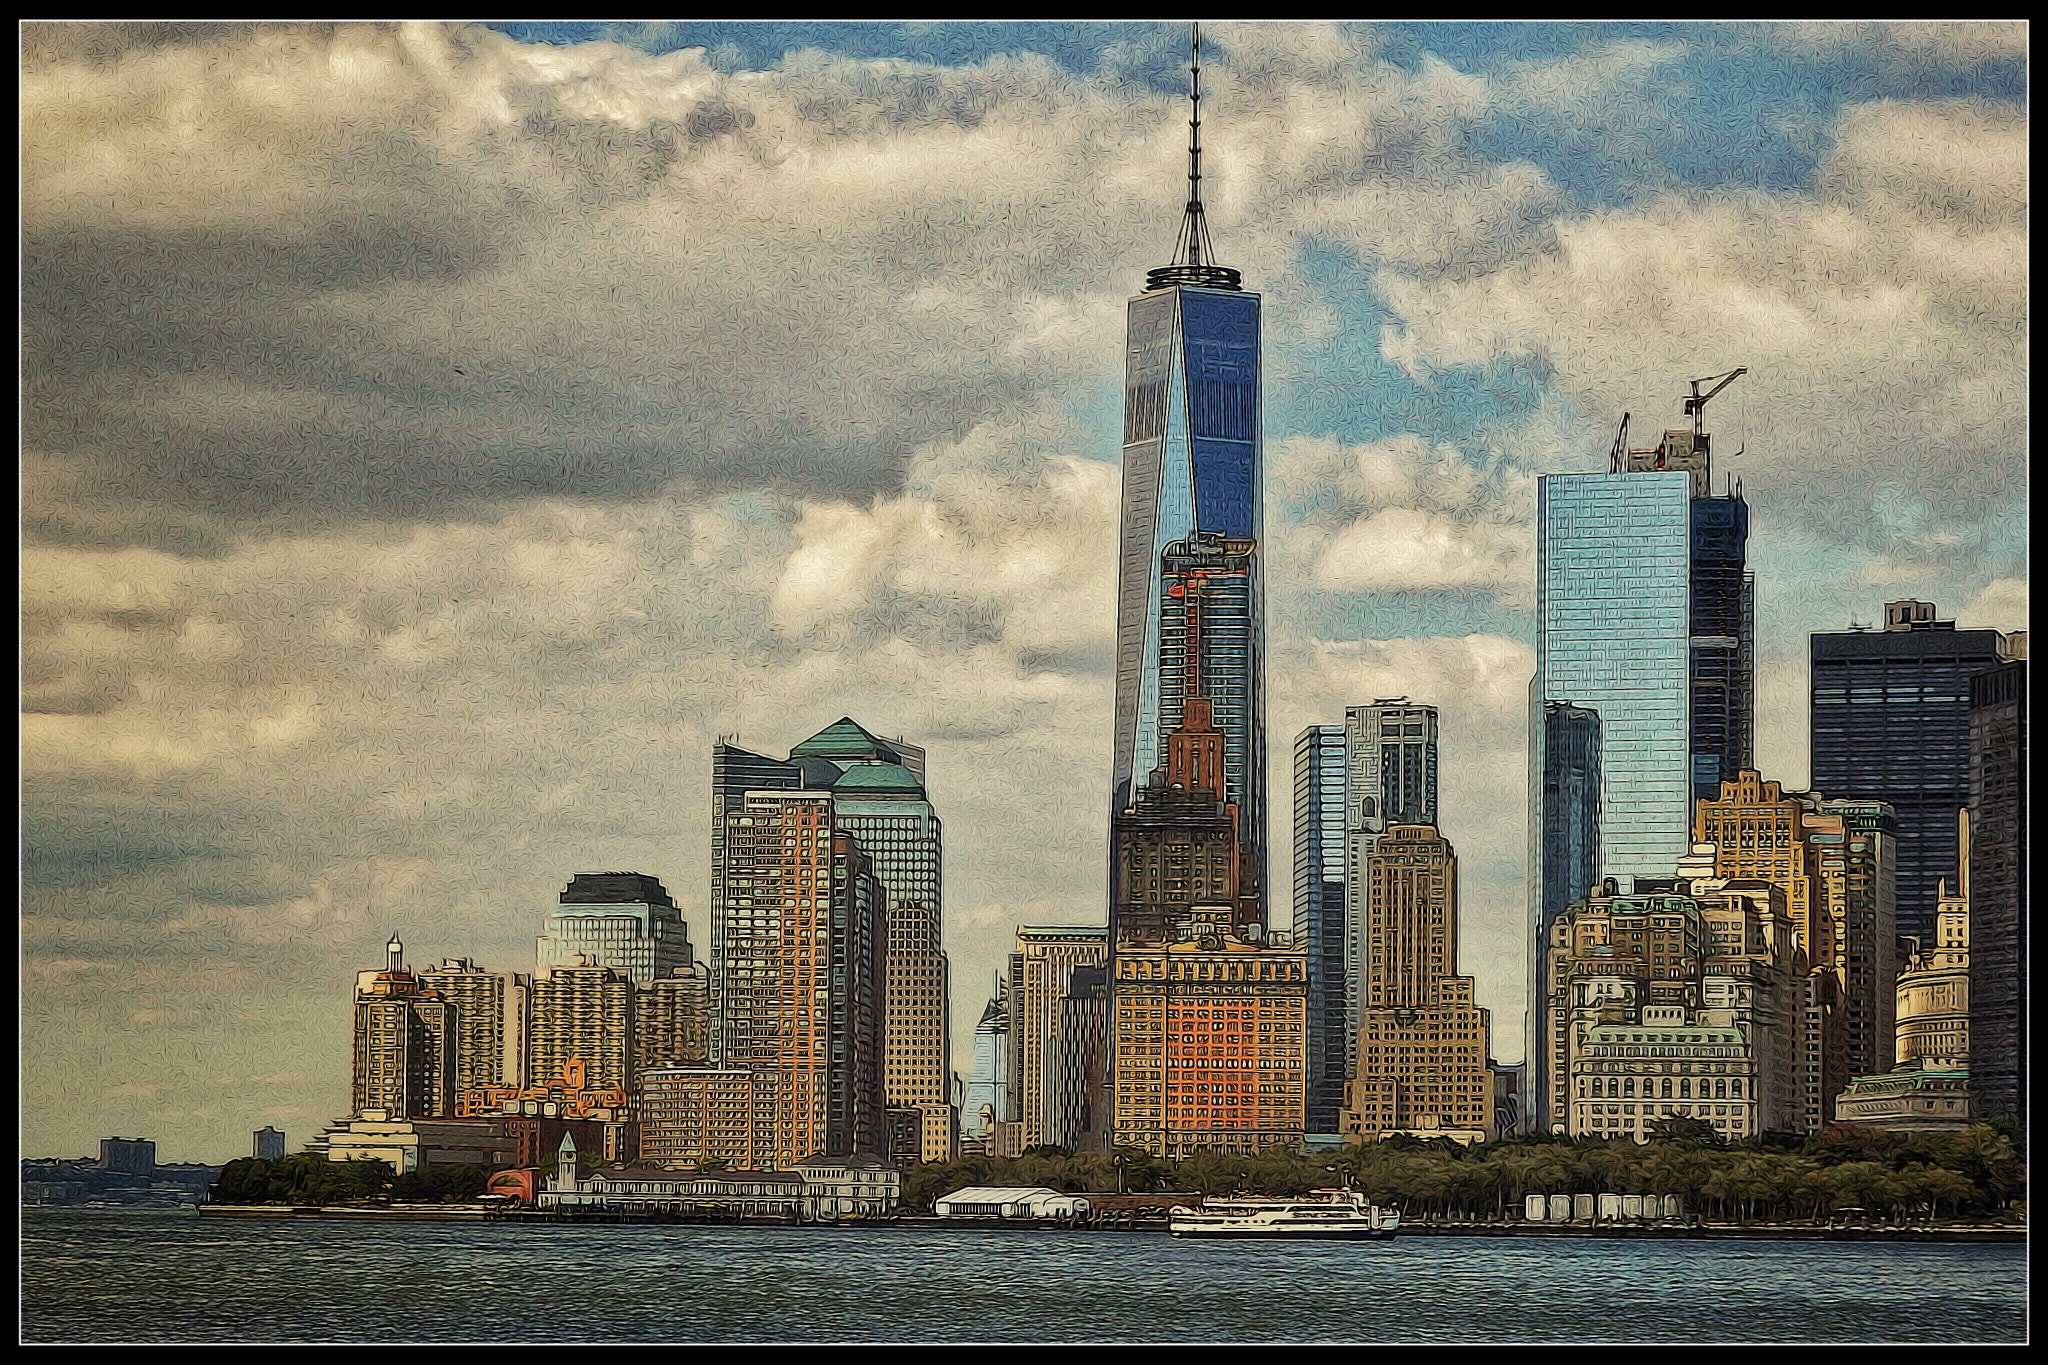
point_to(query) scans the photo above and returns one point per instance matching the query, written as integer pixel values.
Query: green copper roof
(879, 777)
(844, 739)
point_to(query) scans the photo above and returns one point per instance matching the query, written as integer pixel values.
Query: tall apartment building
(491, 1026)
(1043, 1089)
(671, 1025)
(405, 1045)
(1644, 617)
(804, 952)
(1320, 763)
(1997, 879)
(1891, 722)
(582, 1027)
(1423, 1041)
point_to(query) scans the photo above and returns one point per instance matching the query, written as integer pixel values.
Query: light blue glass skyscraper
(1192, 468)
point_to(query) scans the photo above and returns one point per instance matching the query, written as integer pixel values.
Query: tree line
(307, 1178)
(1975, 1173)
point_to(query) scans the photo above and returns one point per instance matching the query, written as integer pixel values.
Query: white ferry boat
(1345, 1215)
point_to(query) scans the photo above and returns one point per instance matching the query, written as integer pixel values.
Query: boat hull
(1287, 1235)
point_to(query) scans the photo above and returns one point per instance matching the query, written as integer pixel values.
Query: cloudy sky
(434, 438)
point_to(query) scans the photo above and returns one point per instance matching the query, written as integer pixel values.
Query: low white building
(1010, 1201)
(816, 1190)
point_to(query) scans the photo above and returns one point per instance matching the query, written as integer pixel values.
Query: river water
(166, 1275)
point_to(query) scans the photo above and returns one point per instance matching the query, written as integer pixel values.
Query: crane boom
(1698, 402)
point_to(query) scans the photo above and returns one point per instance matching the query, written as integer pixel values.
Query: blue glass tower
(1192, 469)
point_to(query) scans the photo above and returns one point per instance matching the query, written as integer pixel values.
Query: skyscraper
(405, 1045)
(1891, 722)
(1192, 468)
(617, 919)
(1390, 750)
(1319, 924)
(1041, 1086)
(1644, 618)
(1995, 878)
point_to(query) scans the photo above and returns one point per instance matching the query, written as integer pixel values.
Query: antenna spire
(1194, 255)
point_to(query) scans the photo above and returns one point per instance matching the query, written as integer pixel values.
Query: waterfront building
(1192, 468)
(492, 1020)
(413, 1144)
(623, 920)
(1423, 1041)
(582, 1024)
(1891, 722)
(1320, 762)
(404, 1047)
(1210, 1048)
(1046, 1093)
(1684, 999)
(693, 1115)
(804, 949)
(267, 1144)
(1996, 877)
(817, 1189)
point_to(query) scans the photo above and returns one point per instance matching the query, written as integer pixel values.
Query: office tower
(1678, 1005)
(879, 798)
(881, 802)
(404, 1055)
(1391, 752)
(581, 1034)
(616, 919)
(670, 1025)
(1644, 617)
(1423, 1041)
(1319, 922)
(1855, 845)
(1564, 864)
(1209, 1051)
(491, 1020)
(1192, 467)
(1996, 879)
(986, 1098)
(1040, 979)
(1891, 722)
(804, 976)
(1077, 1059)
(267, 1144)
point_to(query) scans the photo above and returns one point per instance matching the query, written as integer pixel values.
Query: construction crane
(1698, 402)
(1620, 450)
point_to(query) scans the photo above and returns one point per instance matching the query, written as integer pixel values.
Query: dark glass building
(1319, 925)
(1723, 644)
(1564, 860)
(1890, 721)
(1997, 891)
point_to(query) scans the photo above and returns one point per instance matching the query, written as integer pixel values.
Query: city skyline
(436, 439)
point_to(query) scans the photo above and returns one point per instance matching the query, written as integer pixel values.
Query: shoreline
(1775, 1232)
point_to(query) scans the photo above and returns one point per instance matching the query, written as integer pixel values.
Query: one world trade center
(1190, 595)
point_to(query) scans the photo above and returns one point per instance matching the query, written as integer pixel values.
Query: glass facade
(617, 919)
(1319, 925)
(1723, 645)
(1613, 606)
(1192, 464)
(1891, 722)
